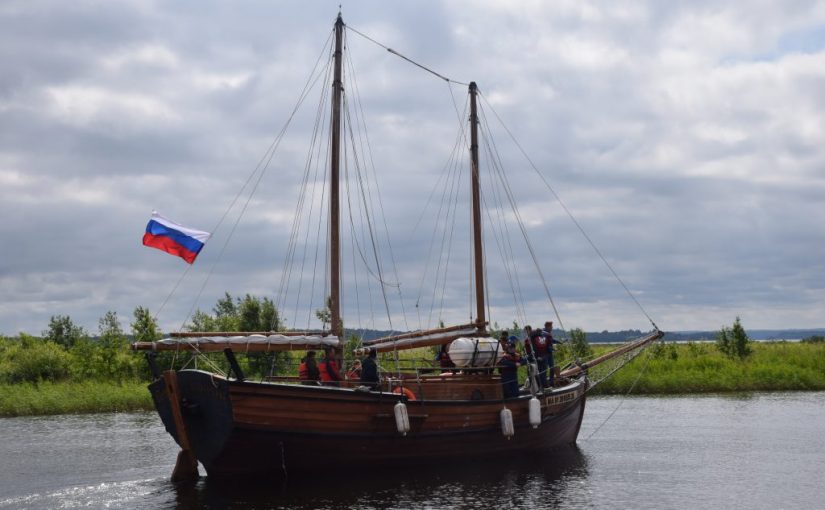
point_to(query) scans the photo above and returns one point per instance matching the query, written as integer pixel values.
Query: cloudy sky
(686, 138)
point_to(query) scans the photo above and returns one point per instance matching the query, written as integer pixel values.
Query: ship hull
(275, 429)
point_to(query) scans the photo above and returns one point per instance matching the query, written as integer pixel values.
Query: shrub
(34, 360)
(579, 347)
(734, 341)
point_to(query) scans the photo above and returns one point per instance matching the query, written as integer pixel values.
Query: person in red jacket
(329, 368)
(308, 371)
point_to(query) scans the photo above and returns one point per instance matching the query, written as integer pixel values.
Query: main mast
(334, 202)
(477, 245)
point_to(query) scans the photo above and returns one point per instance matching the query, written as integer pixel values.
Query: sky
(685, 138)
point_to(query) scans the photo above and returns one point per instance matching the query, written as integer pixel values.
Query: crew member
(549, 341)
(354, 373)
(369, 370)
(503, 338)
(535, 346)
(308, 371)
(443, 358)
(508, 368)
(329, 368)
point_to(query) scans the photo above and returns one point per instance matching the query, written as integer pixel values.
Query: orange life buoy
(407, 392)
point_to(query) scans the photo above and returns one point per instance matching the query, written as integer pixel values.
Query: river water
(747, 451)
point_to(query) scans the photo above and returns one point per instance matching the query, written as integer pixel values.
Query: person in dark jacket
(369, 370)
(308, 371)
(443, 359)
(508, 368)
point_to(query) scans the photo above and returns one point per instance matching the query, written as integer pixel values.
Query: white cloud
(686, 138)
(92, 106)
(152, 55)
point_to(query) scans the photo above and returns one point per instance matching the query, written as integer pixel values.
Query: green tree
(741, 341)
(226, 314)
(113, 360)
(734, 341)
(63, 331)
(579, 347)
(325, 314)
(254, 314)
(85, 360)
(353, 342)
(723, 341)
(270, 319)
(202, 322)
(145, 327)
(249, 314)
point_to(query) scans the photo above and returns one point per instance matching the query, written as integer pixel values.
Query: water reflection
(528, 483)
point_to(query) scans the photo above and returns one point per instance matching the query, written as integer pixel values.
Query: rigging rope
(261, 168)
(363, 126)
(413, 62)
(511, 198)
(366, 215)
(569, 213)
(314, 156)
(624, 397)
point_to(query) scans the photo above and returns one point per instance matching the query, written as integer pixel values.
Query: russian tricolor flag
(174, 239)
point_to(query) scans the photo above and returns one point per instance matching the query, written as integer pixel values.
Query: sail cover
(244, 342)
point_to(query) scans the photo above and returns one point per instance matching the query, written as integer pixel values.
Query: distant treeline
(613, 337)
(753, 334)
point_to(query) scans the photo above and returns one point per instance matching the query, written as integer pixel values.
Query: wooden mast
(477, 245)
(334, 201)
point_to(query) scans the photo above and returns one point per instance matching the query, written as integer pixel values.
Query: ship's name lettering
(560, 399)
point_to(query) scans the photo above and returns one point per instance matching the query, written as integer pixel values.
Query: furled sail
(241, 343)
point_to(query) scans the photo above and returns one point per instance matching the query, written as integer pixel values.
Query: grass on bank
(27, 399)
(701, 368)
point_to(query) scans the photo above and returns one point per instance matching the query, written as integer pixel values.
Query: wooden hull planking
(273, 429)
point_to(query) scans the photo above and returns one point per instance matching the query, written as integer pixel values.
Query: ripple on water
(683, 452)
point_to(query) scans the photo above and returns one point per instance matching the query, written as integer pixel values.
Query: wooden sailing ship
(274, 427)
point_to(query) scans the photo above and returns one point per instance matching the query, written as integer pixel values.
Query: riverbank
(665, 369)
(73, 398)
(670, 369)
